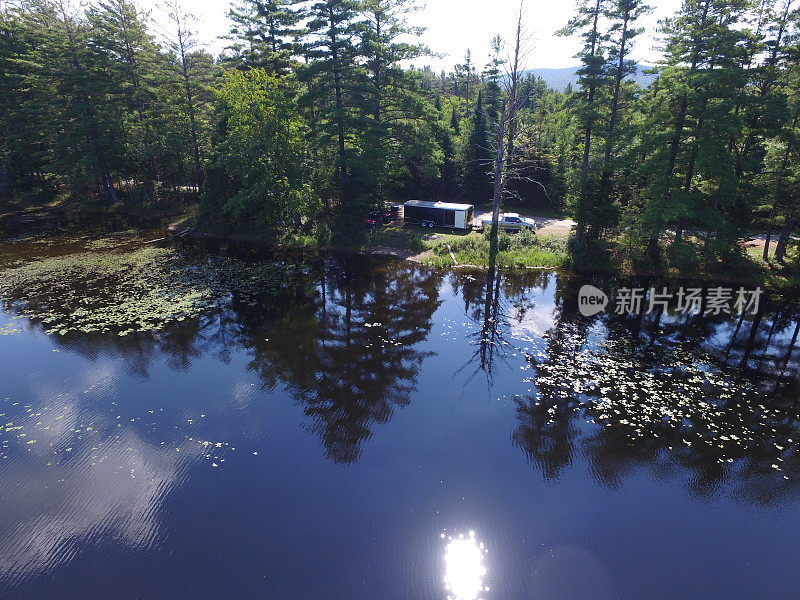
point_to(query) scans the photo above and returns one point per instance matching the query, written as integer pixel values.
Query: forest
(319, 111)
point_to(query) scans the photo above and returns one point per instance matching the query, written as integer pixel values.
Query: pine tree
(397, 137)
(477, 161)
(765, 110)
(85, 135)
(491, 74)
(265, 33)
(591, 78)
(464, 78)
(690, 112)
(623, 14)
(23, 110)
(332, 73)
(128, 55)
(455, 122)
(188, 68)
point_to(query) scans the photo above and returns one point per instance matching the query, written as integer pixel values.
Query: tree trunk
(337, 82)
(587, 138)
(605, 179)
(498, 190)
(791, 348)
(751, 340)
(783, 240)
(192, 121)
(512, 95)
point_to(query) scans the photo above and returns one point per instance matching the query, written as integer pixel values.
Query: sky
(453, 26)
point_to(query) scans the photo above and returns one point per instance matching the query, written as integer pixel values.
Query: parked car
(512, 222)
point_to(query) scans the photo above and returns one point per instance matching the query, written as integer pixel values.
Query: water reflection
(312, 362)
(83, 476)
(351, 355)
(658, 392)
(342, 333)
(464, 567)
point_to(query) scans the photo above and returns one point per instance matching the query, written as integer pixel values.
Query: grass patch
(524, 249)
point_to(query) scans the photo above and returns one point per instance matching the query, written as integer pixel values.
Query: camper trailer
(438, 214)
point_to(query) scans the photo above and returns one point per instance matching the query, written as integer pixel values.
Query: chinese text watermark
(692, 301)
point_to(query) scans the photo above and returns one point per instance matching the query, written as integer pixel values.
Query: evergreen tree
(188, 67)
(397, 136)
(591, 78)
(265, 33)
(23, 110)
(477, 161)
(690, 112)
(623, 15)
(127, 54)
(464, 78)
(332, 75)
(491, 75)
(84, 129)
(455, 122)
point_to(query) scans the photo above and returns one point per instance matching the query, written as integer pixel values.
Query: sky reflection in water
(374, 402)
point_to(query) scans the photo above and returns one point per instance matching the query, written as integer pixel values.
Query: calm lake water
(345, 427)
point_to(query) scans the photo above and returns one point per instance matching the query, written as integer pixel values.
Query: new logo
(591, 301)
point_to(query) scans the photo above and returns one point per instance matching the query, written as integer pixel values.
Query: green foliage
(478, 158)
(264, 33)
(524, 249)
(321, 119)
(263, 155)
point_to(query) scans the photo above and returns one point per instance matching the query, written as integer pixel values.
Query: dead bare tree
(507, 165)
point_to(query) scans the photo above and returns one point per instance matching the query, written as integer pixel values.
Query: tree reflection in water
(711, 396)
(492, 300)
(351, 355)
(656, 391)
(341, 333)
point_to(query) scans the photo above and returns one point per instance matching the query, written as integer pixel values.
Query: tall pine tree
(477, 158)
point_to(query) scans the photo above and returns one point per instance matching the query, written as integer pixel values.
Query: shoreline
(424, 257)
(442, 248)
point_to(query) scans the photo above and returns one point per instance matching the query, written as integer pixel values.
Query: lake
(223, 422)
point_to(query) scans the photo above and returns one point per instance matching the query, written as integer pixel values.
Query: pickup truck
(511, 222)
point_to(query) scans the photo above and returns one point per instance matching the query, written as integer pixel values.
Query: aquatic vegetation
(8, 329)
(664, 400)
(111, 284)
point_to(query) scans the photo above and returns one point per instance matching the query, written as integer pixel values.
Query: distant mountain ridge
(559, 79)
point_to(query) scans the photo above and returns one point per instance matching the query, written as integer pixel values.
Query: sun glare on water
(464, 568)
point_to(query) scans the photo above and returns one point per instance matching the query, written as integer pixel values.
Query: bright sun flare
(464, 569)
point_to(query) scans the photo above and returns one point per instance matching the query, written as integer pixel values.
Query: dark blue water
(338, 442)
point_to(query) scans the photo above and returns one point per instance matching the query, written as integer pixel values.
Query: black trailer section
(438, 214)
